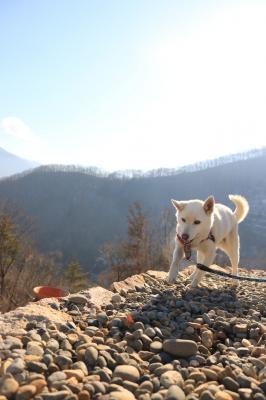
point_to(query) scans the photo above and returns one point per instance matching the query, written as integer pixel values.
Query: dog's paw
(193, 284)
(170, 279)
(235, 285)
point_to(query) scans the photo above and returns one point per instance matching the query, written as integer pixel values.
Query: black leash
(227, 275)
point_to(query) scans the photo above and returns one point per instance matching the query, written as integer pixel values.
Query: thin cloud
(16, 127)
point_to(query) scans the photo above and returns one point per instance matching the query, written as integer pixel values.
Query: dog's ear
(179, 205)
(209, 204)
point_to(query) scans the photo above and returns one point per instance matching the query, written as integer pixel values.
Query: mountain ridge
(11, 164)
(137, 173)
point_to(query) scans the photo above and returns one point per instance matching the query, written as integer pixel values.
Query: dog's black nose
(185, 236)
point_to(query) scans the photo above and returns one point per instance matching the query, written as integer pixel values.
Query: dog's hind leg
(205, 256)
(178, 254)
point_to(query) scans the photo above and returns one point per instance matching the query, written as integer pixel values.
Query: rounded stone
(121, 395)
(127, 372)
(57, 376)
(60, 395)
(156, 346)
(116, 298)
(150, 332)
(25, 392)
(206, 395)
(78, 299)
(52, 344)
(84, 395)
(220, 395)
(207, 338)
(230, 384)
(63, 362)
(34, 348)
(36, 366)
(197, 376)
(74, 373)
(8, 387)
(102, 317)
(39, 384)
(80, 365)
(91, 356)
(175, 393)
(171, 378)
(180, 347)
(147, 385)
(262, 385)
(13, 343)
(17, 366)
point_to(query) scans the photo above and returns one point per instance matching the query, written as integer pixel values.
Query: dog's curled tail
(242, 206)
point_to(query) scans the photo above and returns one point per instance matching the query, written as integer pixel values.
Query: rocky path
(152, 341)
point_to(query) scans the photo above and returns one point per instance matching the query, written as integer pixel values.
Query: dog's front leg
(206, 255)
(178, 254)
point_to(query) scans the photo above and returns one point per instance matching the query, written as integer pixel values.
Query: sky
(136, 84)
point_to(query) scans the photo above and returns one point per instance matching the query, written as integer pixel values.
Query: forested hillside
(76, 211)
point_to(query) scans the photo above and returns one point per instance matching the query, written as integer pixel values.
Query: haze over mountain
(11, 164)
(77, 210)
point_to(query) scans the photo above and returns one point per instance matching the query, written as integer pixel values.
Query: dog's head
(194, 218)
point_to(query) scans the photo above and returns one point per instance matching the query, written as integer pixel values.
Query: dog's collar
(210, 237)
(187, 245)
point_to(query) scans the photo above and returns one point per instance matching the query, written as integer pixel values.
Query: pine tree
(75, 277)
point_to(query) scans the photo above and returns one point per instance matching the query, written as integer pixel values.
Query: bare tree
(144, 247)
(21, 266)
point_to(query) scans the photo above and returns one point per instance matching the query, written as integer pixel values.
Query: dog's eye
(197, 222)
(183, 219)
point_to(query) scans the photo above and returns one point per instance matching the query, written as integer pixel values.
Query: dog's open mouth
(186, 245)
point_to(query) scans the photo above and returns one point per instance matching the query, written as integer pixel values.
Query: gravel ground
(152, 342)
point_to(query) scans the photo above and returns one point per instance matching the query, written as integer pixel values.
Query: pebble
(8, 386)
(78, 299)
(150, 332)
(63, 362)
(91, 356)
(39, 384)
(156, 346)
(262, 385)
(57, 376)
(230, 384)
(34, 348)
(221, 395)
(36, 366)
(207, 395)
(202, 344)
(123, 395)
(127, 372)
(59, 395)
(11, 343)
(180, 347)
(171, 378)
(175, 393)
(17, 366)
(207, 338)
(52, 344)
(25, 392)
(116, 298)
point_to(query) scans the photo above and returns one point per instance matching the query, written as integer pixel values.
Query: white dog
(204, 226)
